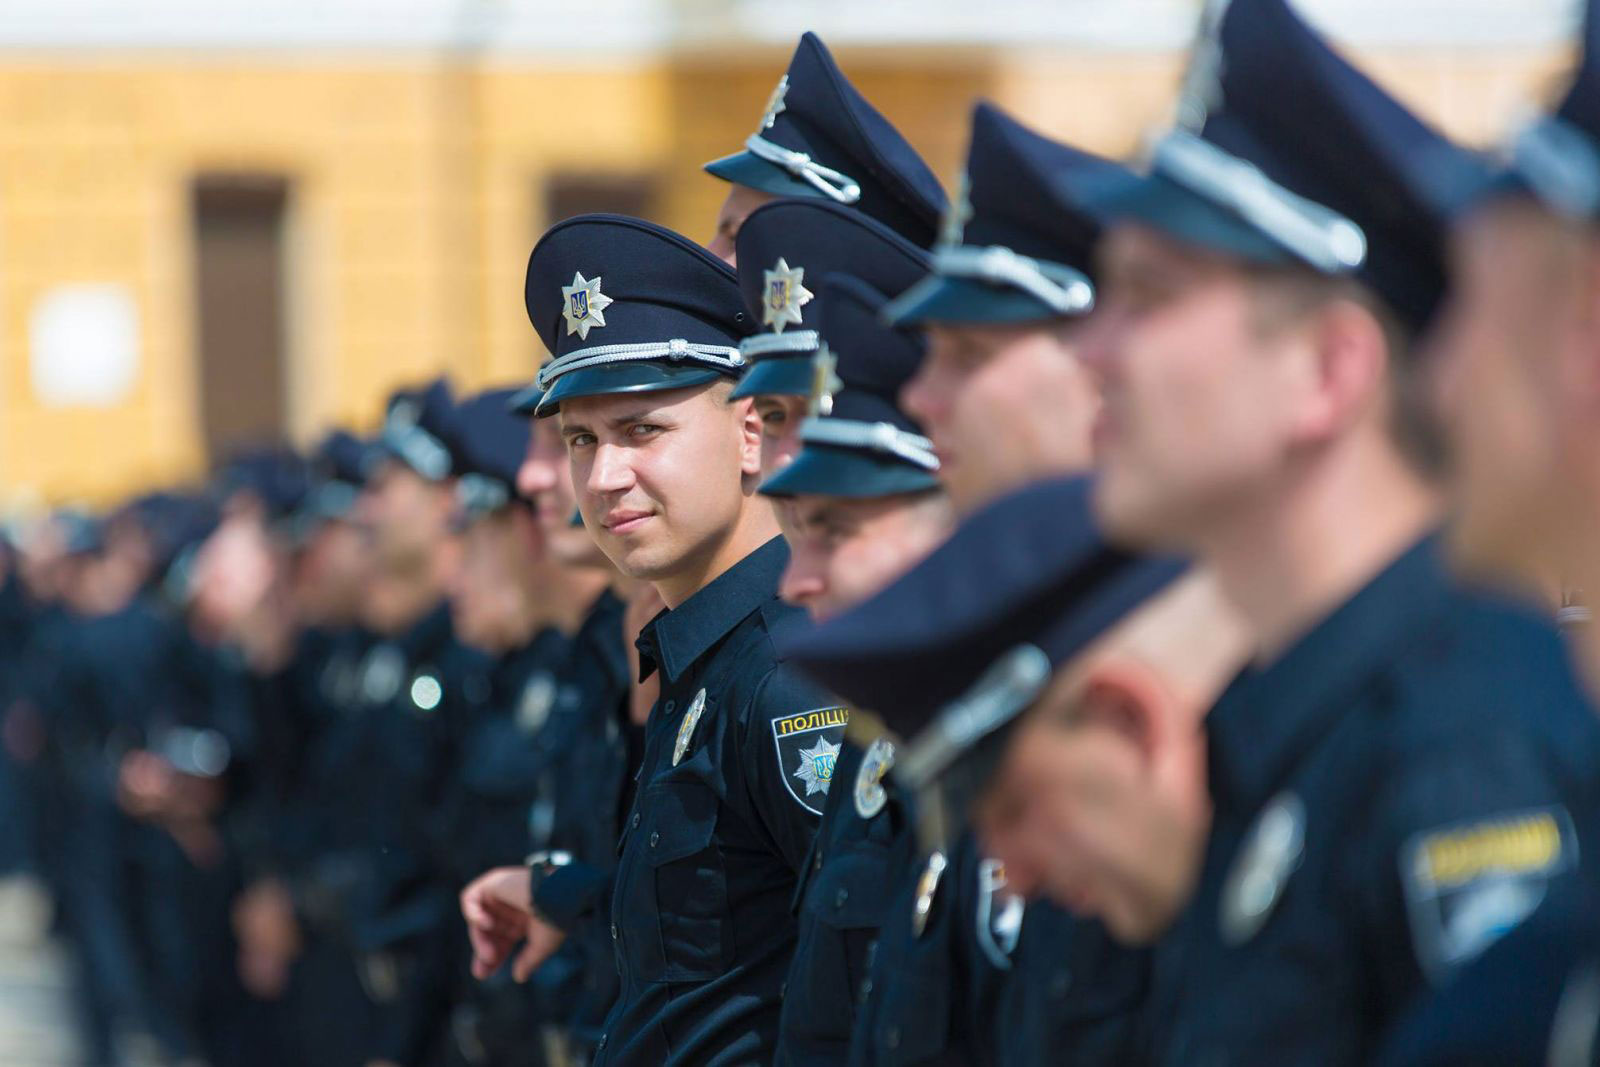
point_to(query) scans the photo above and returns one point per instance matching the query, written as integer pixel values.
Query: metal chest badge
(691, 718)
(927, 889)
(583, 305)
(870, 794)
(783, 295)
(1271, 851)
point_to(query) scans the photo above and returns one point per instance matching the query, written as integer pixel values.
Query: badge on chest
(1269, 855)
(691, 719)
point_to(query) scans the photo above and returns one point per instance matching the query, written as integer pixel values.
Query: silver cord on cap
(873, 437)
(720, 356)
(827, 181)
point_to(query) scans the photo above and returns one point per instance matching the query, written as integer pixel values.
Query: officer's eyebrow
(627, 418)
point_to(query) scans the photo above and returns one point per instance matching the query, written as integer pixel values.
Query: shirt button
(891, 1038)
(817, 863)
(783, 989)
(1060, 984)
(613, 931)
(670, 706)
(844, 895)
(635, 820)
(866, 989)
(655, 838)
(601, 1047)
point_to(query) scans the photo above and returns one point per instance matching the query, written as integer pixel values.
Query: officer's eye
(640, 430)
(580, 440)
(774, 418)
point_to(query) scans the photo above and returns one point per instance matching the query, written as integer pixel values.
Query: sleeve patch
(807, 745)
(1468, 884)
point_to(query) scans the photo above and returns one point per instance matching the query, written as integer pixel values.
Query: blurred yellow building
(231, 221)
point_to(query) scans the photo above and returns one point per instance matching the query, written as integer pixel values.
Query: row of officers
(1111, 616)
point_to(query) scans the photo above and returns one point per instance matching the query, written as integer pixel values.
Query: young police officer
(644, 326)
(1408, 769)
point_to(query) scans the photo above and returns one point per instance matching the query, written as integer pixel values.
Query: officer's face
(330, 574)
(780, 430)
(842, 551)
(663, 478)
(736, 207)
(1513, 384)
(1004, 406)
(545, 478)
(1198, 399)
(404, 514)
(488, 597)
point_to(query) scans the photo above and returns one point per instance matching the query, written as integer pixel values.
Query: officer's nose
(535, 476)
(803, 581)
(610, 472)
(925, 395)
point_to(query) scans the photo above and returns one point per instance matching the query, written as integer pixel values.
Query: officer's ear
(749, 420)
(1350, 351)
(1125, 698)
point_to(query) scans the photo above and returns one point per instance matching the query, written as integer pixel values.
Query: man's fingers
(528, 960)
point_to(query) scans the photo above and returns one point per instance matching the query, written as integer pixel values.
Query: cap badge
(870, 794)
(953, 227)
(775, 103)
(583, 305)
(784, 295)
(825, 382)
(691, 718)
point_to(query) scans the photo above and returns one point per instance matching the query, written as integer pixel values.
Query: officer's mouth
(622, 523)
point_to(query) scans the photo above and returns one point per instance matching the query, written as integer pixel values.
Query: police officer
(976, 630)
(1373, 788)
(865, 504)
(665, 465)
(1003, 393)
(819, 137)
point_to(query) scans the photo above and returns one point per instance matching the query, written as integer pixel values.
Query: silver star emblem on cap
(825, 382)
(583, 305)
(775, 103)
(957, 213)
(784, 295)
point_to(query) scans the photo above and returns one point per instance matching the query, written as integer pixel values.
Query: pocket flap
(682, 818)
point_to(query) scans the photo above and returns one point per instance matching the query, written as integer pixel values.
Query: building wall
(417, 181)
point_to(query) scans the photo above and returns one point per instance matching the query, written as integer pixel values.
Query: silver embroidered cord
(771, 344)
(827, 181)
(721, 356)
(872, 436)
(1014, 682)
(1062, 289)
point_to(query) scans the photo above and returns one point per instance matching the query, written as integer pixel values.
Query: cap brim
(639, 376)
(966, 301)
(743, 168)
(1184, 215)
(822, 470)
(776, 376)
(525, 401)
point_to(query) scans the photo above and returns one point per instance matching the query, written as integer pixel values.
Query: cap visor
(742, 168)
(940, 298)
(1164, 205)
(525, 401)
(776, 376)
(639, 376)
(822, 470)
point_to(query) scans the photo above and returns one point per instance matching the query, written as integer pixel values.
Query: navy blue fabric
(428, 408)
(1415, 708)
(662, 287)
(827, 119)
(487, 438)
(1029, 568)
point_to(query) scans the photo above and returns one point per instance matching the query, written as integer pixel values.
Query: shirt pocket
(843, 909)
(691, 884)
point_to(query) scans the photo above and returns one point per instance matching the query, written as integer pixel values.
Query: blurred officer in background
(1002, 391)
(1371, 788)
(819, 137)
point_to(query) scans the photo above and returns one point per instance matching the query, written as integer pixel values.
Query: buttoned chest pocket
(842, 911)
(691, 884)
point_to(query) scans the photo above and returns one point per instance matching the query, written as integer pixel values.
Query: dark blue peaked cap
(1302, 159)
(785, 248)
(626, 306)
(341, 456)
(820, 138)
(415, 423)
(277, 476)
(959, 646)
(858, 443)
(1018, 240)
(487, 442)
(1557, 159)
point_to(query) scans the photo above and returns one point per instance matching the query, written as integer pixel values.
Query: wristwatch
(543, 864)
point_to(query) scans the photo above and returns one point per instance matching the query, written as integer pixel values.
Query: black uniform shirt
(1398, 789)
(739, 754)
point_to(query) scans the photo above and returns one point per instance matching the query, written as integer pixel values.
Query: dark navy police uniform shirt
(739, 755)
(1401, 787)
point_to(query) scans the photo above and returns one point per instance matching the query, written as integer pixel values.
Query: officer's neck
(569, 596)
(1293, 555)
(755, 527)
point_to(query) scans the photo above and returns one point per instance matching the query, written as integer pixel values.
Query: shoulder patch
(1469, 883)
(807, 745)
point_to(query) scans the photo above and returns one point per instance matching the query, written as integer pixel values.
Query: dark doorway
(238, 221)
(566, 195)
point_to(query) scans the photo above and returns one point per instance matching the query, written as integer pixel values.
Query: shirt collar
(1271, 716)
(675, 639)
